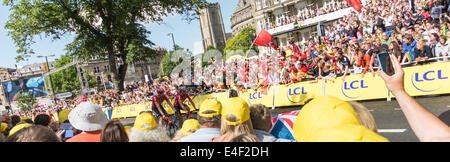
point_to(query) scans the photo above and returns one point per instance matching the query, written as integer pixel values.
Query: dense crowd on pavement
(349, 47)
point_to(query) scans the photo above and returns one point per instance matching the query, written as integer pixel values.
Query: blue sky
(186, 35)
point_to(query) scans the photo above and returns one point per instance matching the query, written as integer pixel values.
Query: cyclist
(157, 101)
(178, 103)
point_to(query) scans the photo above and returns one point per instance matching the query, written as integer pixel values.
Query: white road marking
(371, 110)
(397, 109)
(448, 105)
(391, 130)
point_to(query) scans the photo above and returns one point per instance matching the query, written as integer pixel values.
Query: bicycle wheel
(167, 125)
(172, 127)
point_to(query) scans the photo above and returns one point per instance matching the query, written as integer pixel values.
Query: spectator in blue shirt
(408, 48)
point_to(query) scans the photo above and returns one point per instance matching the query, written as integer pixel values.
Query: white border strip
(391, 130)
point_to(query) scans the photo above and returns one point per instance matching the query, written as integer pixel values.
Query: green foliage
(205, 63)
(210, 48)
(100, 28)
(26, 101)
(67, 80)
(241, 41)
(167, 65)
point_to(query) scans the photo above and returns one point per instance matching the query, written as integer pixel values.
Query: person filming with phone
(426, 126)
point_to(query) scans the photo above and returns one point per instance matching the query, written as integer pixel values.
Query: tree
(242, 41)
(205, 63)
(26, 101)
(112, 29)
(67, 80)
(167, 65)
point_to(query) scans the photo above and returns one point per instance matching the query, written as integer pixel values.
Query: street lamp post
(49, 76)
(173, 40)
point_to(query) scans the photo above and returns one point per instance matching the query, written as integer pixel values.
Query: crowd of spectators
(349, 46)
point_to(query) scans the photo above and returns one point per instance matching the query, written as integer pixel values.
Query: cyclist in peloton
(157, 101)
(178, 103)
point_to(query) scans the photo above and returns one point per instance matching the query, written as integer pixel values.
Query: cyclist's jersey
(182, 97)
(157, 100)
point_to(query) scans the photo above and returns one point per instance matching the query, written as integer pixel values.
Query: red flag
(265, 39)
(356, 4)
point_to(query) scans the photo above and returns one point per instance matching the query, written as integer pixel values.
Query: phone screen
(385, 63)
(69, 129)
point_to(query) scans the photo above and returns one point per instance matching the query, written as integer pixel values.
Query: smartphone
(385, 63)
(69, 129)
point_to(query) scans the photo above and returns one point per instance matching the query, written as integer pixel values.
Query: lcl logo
(295, 92)
(348, 88)
(186, 102)
(425, 78)
(255, 95)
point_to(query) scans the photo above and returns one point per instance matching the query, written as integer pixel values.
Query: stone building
(211, 27)
(243, 16)
(99, 68)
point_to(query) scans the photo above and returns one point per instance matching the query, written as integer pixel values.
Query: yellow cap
(63, 115)
(288, 53)
(190, 125)
(145, 121)
(239, 108)
(3, 127)
(19, 127)
(210, 105)
(346, 133)
(323, 112)
(127, 129)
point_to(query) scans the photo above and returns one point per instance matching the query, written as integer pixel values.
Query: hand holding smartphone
(68, 130)
(385, 63)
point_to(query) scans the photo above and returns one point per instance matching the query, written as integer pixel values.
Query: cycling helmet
(159, 90)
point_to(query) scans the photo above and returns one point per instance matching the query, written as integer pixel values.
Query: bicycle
(169, 122)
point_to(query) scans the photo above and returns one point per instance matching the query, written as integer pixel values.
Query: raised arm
(426, 126)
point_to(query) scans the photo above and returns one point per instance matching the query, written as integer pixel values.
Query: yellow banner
(296, 94)
(427, 79)
(355, 87)
(258, 97)
(134, 109)
(217, 96)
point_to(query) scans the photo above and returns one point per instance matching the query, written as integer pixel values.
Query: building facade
(23, 73)
(243, 16)
(285, 20)
(101, 71)
(211, 27)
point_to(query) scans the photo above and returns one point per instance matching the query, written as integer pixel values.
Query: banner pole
(389, 96)
(273, 97)
(246, 54)
(323, 87)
